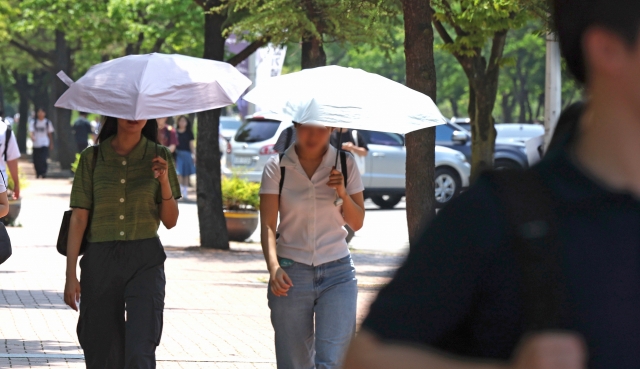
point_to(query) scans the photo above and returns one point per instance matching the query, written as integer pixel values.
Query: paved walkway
(216, 312)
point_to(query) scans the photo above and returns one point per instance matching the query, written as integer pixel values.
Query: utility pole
(553, 88)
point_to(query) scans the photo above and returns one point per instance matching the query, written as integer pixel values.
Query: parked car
(509, 154)
(384, 177)
(252, 145)
(507, 132)
(229, 126)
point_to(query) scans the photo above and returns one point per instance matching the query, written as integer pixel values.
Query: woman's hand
(72, 292)
(280, 282)
(159, 168)
(336, 181)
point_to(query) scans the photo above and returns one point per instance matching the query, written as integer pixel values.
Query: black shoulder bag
(5, 241)
(63, 236)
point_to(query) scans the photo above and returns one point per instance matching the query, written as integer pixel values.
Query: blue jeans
(326, 292)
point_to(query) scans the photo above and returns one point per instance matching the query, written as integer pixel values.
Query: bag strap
(7, 138)
(282, 173)
(289, 136)
(343, 166)
(529, 206)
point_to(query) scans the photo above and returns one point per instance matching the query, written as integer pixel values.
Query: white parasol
(153, 86)
(348, 98)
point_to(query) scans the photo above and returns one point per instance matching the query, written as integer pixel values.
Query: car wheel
(448, 185)
(504, 164)
(386, 201)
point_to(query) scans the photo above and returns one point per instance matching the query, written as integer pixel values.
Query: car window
(257, 131)
(387, 139)
(444, 132)
(230, 123)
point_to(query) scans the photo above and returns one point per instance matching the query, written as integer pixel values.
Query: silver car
(384, 177)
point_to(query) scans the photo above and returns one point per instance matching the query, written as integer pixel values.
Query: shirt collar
(141, 150)
(290, 158)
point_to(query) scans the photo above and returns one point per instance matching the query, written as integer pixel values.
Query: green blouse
(122, 193)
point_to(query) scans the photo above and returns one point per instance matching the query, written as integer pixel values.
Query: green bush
(240, 194)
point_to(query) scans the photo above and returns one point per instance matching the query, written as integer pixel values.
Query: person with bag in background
(41, 130)
(5, 241)
(185, 154)
(535, 269)
(167, 135)
(312, 289)
(9, 155)
(123, 188)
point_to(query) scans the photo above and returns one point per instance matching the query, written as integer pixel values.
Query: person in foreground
(123, 188)
(459, 301)
(312, 288)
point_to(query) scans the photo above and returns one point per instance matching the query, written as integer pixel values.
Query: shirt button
(121, 217)
(124, 162)
(121, 200)
(121, 233)
(122, 181)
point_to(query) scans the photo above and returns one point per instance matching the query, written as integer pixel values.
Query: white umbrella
(153, 86)
(348, 98)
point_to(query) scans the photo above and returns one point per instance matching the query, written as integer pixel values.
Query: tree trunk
(421, 76)
(454, 106)
(313, 53)
(507, 107)
(213, 226)
(64, 142)
(483, 135)
(22, 86)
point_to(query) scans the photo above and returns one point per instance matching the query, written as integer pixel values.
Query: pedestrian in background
(167, 135)
(41, 130)
(185, 153)
(122, 190)
(9, 155)
(312, 288)
(540, 268)
(81, 131)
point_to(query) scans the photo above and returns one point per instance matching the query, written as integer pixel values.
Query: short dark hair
(83, 113)
(41, 108)
(573, 17)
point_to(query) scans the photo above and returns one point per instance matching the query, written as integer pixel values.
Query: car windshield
(257, 130)
(230, 123)
(387, 139)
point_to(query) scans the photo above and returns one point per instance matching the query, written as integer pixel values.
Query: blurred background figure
(41, 131)
(9, 155)
(167, 135)
(81, 131)
(185, 154)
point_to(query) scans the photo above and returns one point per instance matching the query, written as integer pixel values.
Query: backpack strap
(7, 138)
(529, 206)
(343, 166)
(282, 173)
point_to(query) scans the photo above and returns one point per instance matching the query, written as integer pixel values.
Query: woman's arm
(168, 208)
(77, 227)
(352, 206)
(193, 150)
(4, 204)
(279, 280)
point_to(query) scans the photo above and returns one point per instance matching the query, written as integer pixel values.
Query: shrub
(240, 194)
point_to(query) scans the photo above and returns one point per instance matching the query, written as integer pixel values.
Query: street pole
(553, 88)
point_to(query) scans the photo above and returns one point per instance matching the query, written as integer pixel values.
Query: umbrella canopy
(154, 86)
(348, 98)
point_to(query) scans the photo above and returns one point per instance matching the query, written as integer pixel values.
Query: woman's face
(131, 126)
(182, 123)
(312, 138)
(162, 122)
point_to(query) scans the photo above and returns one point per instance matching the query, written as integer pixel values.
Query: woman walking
(312, 288)
(185, 153)
(123, 188)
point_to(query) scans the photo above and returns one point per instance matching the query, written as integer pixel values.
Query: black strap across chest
(343, 166)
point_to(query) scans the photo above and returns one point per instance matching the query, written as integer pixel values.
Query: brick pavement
(216, 313)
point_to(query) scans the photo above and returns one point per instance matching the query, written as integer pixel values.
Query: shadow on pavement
(31, 299)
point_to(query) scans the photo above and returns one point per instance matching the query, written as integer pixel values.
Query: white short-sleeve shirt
(311, 227)
(41, 130)
(13, 152)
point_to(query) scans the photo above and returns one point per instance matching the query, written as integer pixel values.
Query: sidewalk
(216, 313)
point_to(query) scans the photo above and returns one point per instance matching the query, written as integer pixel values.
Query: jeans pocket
(158, 312)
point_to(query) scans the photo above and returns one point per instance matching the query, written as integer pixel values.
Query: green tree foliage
(475, 33)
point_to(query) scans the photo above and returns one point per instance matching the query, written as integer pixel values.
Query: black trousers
(40, 156)
(82, 145)
(119, 277)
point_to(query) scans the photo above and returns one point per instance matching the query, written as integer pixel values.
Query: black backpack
(343, 166)
(530, 208)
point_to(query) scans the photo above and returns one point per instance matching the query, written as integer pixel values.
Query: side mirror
(459, 138)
